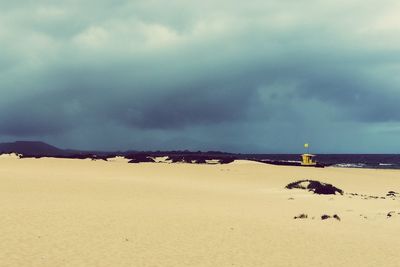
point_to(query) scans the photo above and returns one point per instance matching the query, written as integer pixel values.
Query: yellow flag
(306, 145)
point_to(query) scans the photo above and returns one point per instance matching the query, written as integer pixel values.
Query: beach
(69, 212)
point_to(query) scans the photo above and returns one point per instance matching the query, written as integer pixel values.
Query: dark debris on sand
(392, 194)
(316, 187)
(323, 217)
(335, 216)
(301, 216)
(392, 213)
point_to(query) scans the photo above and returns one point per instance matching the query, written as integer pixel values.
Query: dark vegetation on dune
(185, 157)
(33, 149)
(69, 156)
(316, 187)
(201, 158)
(137, 158)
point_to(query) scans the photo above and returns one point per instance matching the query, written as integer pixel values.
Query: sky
(264, 76)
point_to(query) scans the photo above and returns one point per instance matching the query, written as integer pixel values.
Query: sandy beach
(62, 212)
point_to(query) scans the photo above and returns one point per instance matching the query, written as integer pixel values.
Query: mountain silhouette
(31, 148)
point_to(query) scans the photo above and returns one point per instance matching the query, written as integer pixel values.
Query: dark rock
(316, 187)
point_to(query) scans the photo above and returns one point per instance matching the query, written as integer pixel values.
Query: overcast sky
(264, 76)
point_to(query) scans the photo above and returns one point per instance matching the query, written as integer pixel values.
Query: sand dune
(62, 212)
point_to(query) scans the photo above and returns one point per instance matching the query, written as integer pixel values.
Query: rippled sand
(58, 212)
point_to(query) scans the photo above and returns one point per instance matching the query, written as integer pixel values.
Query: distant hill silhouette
(31, 148)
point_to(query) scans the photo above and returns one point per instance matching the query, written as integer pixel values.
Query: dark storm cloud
(211, 75)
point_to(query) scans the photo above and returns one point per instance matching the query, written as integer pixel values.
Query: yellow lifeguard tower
(307, 159)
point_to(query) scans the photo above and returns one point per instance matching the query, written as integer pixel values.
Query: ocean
(371, 161)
